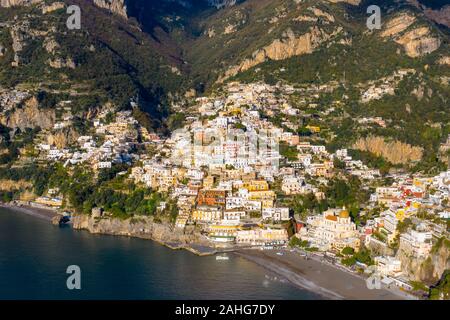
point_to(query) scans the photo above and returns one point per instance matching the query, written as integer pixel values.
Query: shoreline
(48, 214)
(326, 280)
(41, 213)
(329, 281)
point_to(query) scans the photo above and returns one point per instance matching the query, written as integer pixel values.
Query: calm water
(34, 256)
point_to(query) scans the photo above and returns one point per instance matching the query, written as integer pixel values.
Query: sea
(35, 257)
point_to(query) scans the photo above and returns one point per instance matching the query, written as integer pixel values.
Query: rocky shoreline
(145, 228)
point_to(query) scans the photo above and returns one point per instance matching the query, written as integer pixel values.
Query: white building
(275, 214)
(418, 243)
(388, 266)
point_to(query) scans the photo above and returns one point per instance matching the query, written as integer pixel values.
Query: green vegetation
(348, 251)
(21, 139)
(362, 256)
(112, 193)
(348, 193)
(371, 160)
(82, 191)
(114, 62)
(287, 151)
(176, 121)
(441, 291)
(418, 286)
(442, 242)
(296, 242)
(307, 204)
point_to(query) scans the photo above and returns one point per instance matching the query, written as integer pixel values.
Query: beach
(323, 278)
(46, 214)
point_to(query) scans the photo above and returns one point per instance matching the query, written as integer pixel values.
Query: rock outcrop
(62, 138)
(288, 46)
(444, 61)
(16, 3)
(50, 45)
(398, 25)
(417, 42)
(320, 13)
(18, 37)
(353, 2)
(141, 227)
(53, 7)
(29, 116)
(59, 63)
(429, 269)
(115, 6)
(395, 152)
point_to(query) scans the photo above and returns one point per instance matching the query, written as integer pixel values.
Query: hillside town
(243, 181)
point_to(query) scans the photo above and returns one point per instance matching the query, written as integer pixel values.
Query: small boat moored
(222, 257)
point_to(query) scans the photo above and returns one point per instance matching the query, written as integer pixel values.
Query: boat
(222, 258)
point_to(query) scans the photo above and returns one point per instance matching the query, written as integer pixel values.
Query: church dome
(344, 214)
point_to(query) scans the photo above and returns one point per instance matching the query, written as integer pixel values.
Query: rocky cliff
(62, 138)
(353, 2)
(29, 116)
(417, 41)
(428, 270)
(288, 46)
(395, 152)
(115, 6)
(15, 3)
(142, 227)
(445, 61)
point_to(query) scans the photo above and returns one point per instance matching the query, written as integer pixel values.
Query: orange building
(211, 198)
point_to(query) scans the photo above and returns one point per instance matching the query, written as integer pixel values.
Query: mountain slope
(154, 51)
(110, 58)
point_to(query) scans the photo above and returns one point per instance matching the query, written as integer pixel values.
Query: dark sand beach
(46, 214)
(319, 277)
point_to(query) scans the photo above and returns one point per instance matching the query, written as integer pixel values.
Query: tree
(348, 251)
(442, 289)
(349, 261)
(363, 256)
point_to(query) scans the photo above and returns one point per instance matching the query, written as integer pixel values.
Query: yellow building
(224, 232)
(256, 185)
(207, 214)
(262, 236)
(262, 195)
(332, 230)
(50, 202)
(313, 129)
